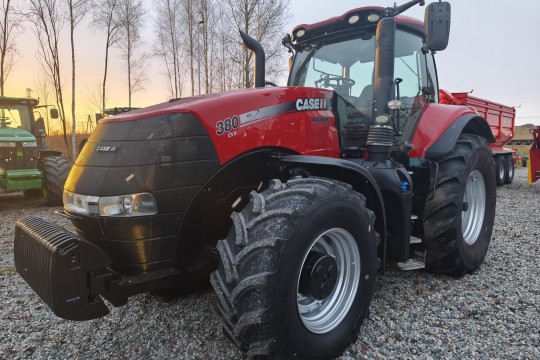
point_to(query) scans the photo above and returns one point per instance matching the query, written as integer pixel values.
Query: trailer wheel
(56, 170)
(458, 221)
(500, 170)
(509, 176)
(297, 270)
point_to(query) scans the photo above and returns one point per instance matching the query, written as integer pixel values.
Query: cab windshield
(14, 116)
(347, 67)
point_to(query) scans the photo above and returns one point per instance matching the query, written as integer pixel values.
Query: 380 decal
(227, 125)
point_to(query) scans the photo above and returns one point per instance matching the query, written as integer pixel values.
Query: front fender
(351, 173)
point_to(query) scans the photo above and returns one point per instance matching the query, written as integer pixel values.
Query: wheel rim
(321, 316)
(501, 171)
(510, 169)
(474, 206)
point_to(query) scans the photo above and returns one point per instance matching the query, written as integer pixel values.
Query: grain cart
(26, 162)
(534, 156)
(300, 194)
(501, 119)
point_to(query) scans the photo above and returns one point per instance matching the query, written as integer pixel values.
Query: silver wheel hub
(474, 207)
(329, 280)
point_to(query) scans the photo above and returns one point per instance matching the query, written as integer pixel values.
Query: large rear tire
(297, 270)
(56, 170)
(458, 221)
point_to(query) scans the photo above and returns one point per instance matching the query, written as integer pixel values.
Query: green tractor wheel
(56, 170)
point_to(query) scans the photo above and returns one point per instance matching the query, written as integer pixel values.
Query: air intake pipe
(258, 50)
(381, 132)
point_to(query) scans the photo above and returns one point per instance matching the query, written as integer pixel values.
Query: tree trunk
(73, 119)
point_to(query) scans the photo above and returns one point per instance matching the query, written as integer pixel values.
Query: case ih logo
(311, 104)
(107, 148)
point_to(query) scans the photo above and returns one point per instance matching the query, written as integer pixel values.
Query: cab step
(412, 264)
(415, 240)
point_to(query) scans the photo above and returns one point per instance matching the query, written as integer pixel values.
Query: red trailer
(501, 121)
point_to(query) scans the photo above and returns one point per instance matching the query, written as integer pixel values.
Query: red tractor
(288, 200)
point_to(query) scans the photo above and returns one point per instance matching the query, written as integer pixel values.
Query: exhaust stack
(258, 50)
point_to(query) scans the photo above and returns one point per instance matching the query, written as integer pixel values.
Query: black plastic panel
(170, 156)
(134, 244)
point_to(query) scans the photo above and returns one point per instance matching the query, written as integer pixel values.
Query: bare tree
(168, 46)
(93, 94)
(130, 43)
(10, 27)
(105, 16)
(44, 94)
(47, 17)
(209, 34)
(190, 21)
(77, 10)
(263, 20)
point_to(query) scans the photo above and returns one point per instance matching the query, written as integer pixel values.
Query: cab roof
(4, 100)
(341, 23)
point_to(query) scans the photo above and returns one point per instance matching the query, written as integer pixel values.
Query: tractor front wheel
(458, 221)
(297, 270)
(56, 170)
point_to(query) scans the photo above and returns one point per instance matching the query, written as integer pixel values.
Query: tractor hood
(217, 106)
(240, 120)
(15, 135)
(183, 143)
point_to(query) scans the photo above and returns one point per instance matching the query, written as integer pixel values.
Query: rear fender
(440, 126)
(468, 124)
(45, 153)
(351, 173)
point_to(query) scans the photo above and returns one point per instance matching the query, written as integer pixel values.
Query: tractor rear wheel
(56, 170)
(458, 221)
(297, 270)
(509, 169)
(500, 170)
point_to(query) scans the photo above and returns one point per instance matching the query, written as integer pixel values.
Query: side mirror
(54, 113)
(437, 25)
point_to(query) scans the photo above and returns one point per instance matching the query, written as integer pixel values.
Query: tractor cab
(342, 54)
(18, 140)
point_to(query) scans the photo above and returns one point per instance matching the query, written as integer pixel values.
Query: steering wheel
(336, 82)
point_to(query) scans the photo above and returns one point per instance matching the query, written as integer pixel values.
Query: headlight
(142, 204)
(29, 144)
(7, 144)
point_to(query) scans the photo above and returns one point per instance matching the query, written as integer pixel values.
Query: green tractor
(26, 162)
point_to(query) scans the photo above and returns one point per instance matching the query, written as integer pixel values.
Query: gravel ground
(493, 313)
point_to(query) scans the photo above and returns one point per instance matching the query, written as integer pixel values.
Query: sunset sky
(494, 50)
